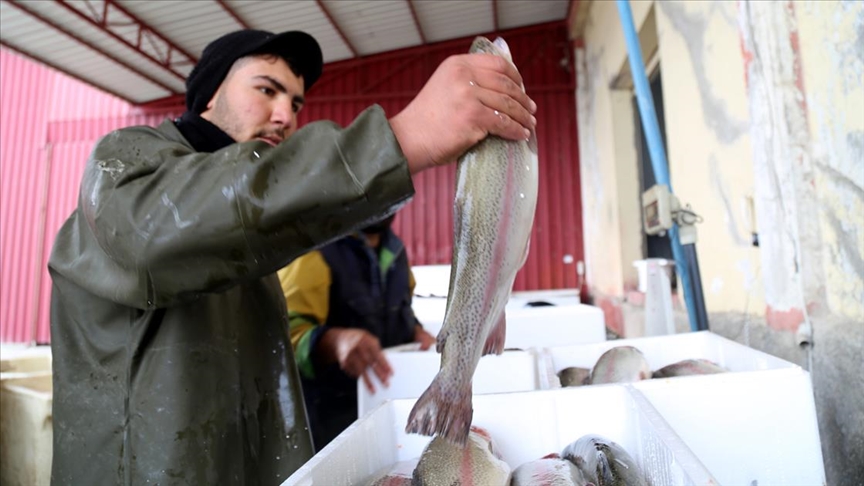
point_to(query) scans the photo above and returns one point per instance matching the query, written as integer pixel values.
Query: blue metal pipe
(655, 145)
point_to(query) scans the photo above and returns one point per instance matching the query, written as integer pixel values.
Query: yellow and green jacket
(345, 284)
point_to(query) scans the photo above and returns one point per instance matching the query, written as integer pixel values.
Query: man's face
(258, 100)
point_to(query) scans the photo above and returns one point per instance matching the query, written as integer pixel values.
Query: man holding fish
(172, 361)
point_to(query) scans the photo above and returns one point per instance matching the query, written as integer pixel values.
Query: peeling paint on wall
(721, 190)
(715, 113)
(786, 201)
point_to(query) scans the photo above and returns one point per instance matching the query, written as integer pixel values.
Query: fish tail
(445, 414)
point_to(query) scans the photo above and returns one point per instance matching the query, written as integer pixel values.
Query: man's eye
(297, 107)
(267, 91)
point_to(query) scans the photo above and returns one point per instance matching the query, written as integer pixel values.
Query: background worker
(347, 301)
(171, 357)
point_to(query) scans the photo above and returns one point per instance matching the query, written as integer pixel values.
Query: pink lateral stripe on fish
(496, 196)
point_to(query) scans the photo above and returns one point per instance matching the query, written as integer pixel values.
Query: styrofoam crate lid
(664, 350)
(528, 327)
(746, 428)
(524, 426)
(413, 372)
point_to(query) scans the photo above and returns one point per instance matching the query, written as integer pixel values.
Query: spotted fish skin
(496, 195)
(475, 464)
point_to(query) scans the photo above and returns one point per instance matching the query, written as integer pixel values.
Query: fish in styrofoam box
(525, 426)
(401, 474)
(689, 367)
(478, 462)
(604, 462)
(551, 470)
(661, 351)
(621, 364)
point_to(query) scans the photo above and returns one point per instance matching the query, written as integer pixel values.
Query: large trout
(496, 193)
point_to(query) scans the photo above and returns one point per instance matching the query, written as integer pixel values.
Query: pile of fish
(592, 460)
(626, 364)
(493, 213)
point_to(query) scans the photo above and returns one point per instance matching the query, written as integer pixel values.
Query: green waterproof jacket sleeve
(176, 223)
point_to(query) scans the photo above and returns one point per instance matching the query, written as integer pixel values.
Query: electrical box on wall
(658, 204)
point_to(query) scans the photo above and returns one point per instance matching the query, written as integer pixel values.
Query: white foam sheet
(567, 322)
(413, 372)
(661, 351)
(746, 428)
(524, 426)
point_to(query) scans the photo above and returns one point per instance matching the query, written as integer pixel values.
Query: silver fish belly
(496, 195)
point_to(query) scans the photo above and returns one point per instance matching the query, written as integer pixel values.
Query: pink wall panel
(23, 121)
(50, 122)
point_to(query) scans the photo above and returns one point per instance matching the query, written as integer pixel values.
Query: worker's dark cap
(299, 49)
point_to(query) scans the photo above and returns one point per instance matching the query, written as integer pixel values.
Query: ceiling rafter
(336, 26)
(495, 26)
(417, 22)
(20, 5)
(164, 48)
(52, 65)
(233, 14)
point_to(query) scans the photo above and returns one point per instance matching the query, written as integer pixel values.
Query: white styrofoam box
(746, 428)
(413, 372)
(661, 351)
(558, 325)
(569, 323)
(21, 360)
(524, 427)
(431, 280)
(26, 428)
(554, 297)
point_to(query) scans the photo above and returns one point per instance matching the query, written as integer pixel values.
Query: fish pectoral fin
(497, 336)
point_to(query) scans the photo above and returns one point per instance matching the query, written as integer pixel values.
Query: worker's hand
(358, 352)
(468, 97)
(425, 339)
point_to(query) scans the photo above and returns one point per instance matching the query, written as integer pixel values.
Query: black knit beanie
(299, 49)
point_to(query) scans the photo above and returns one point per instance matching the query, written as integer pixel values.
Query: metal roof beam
(336, 26)
(165, 49)
(495, 27)
(57, 68)
(416, 22)
(20, 5)
(234, 15)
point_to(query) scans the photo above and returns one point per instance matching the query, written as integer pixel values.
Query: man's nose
(283, 114)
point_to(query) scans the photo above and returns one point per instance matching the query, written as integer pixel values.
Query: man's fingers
(503, 126)
(503, 85)
(498, 64)
(368, 382)
(383, 367)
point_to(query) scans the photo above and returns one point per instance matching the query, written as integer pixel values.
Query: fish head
(485, 46)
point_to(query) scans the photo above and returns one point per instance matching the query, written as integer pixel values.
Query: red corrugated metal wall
(50, 122)
(426, 224)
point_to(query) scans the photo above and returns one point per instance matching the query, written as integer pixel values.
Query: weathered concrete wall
(805, 62)
(610, 181)
(710, 155)
(764, 105)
